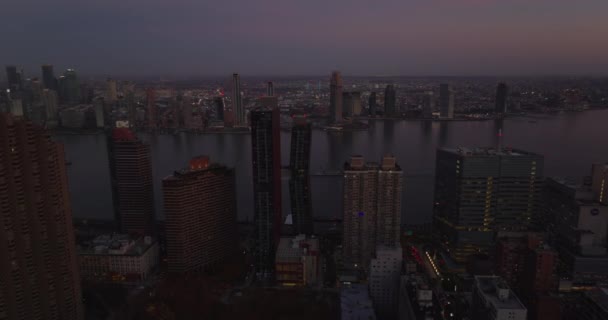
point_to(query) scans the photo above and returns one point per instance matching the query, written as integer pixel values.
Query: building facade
(372, 208)
(299, 183)
(335, 97)
(39, 276)
(237, 101)
(502, 92)
(200, 210)
(298, 261)
(385, 272)
(482, 191)
(390, 101)
(131, 180)
(446, 101)
(266, 162)
(494, 300)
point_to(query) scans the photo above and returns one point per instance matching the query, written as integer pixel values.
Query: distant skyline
(313, 37)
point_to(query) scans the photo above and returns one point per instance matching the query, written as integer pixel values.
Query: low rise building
(118, 258)
(355, 303)
(297, 261)
(494, 300)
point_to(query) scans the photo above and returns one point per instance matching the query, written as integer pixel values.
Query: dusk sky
(308, 37)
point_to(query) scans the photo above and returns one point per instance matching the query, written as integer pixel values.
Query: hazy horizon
(185, 38)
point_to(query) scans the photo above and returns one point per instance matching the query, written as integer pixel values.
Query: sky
(308, 37)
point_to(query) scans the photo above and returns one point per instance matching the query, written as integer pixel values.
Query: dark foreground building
(299, 184)
(39, 276)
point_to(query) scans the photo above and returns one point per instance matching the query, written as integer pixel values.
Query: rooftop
(356, 303)
(497, 292)
(115, 244)
(296, 247)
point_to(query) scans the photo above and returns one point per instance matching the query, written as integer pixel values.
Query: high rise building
(372, 104)
(266, 161)
(270, 89)
(446, 101)
(131, 180)
(111, 91)
(351, 103)
(50, 101)
(200, 210)
(69, 87)
(390, 100)
(186, 111)
(511, 252)
(335, 97)
(39, 277)
(48, 77)
(494, 300)
(218, 102)
(578, 224)
(372, 209)
(152, 110)
(385, 272)
(299, 184)
(538, 276)
(481, 191)
(237, 102)
(599, 182)
(502, 91)
(14, 78)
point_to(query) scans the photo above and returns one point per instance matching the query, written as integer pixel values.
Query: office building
(111, 91)
(118, 258)
(266, 162)
(502, 92)
(372, 209)
(50, 101)
(218, 102)
(270, 89)
(200, 210)
(335, 97)
(385, 273)
(151, 109)
(578, 224)
(482, 191)
(599, 182)
(351, 103)
(390, 101)
(14, 79)
(372, 104)
(48, 77)
(494, 300)
(297, 261)
(131, 180)
(69, 87)
(299, 184)
(237, 101)
(446, 101)
(39, 276)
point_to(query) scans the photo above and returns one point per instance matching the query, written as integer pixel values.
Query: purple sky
(308, 37)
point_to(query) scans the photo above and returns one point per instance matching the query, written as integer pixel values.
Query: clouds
(308, 37)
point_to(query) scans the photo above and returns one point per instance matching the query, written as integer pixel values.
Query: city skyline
(416, 37)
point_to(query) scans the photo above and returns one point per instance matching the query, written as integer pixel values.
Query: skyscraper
(429, 105)
(481, 191)
(299, 184)
(372, 208)
(13, 78)
(131, 179)
(335, 97)
(390, 100)
(48, 77)
(219, 108)
(200, 210)
(50, 101)
(599, 181)
(69, 87)
(372, 104)
(39, 277)
(111, 91)
(152, 111)
(270, 89)
(266, 161)
(351, 102)
(237, 103)
(446, 101)
(502, 92)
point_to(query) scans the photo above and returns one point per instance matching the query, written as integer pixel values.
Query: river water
(570, 143)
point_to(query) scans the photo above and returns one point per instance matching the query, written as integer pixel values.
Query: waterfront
(570, 142)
